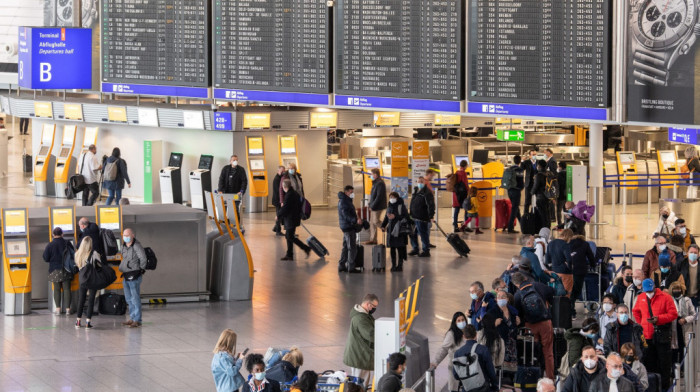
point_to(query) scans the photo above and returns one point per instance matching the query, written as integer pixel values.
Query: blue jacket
(347, 216)
(227, 372)
(484, 360)
(537, 272)
(558, 256)
(487, 303)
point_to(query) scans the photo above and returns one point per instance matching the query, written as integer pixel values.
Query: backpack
(467, 203)
(551, 187)
(69, 259)
(533, 305)
(151, 259)
(111, 169)
(110, 242)
(450, 182)
(467, 370)
(461, 191)
(509, 181)
(305, 209)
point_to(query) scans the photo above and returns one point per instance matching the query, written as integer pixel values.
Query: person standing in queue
(377, 204)
(290, 215)
(530, 169)
(422, 213)
(90, 229)
(514, 194)
(83, 256)
(562, 196)
(347, 219)
(458, 196)
(391, 380)
(691, 274)
(116, 185)
(359, 346)
(89, 166)
(538, 192)
(233, 180)
(276, 200)
(396, 240)
(132, 267)
(58, 276)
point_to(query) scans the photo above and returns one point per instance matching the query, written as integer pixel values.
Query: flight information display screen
(272, 45)
(545, 52)
(399, 48)
(156, 42)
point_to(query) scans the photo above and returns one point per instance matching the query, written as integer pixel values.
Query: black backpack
(109, 241)
(69, 259)
(460, 191)
(533, 304)
(151, 259)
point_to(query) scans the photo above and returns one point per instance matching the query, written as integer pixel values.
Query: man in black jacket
(377, 204)
(561, 197)
(348, 221)
(290, 214)
(90, 229)
(538, 191)
(391, 380)
(530, 168)
(514, 194)
(53, 254)
(584, 372)
(276, 199)
(691, 274)
(614, 375)
(422, 213)
(622, 331)
(234, 180)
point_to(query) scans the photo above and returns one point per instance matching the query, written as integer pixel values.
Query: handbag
(96, 276)
(59, 276)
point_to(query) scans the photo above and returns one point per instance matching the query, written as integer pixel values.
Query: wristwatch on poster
(663, 30)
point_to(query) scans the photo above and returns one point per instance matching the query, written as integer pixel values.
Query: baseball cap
(647, 285)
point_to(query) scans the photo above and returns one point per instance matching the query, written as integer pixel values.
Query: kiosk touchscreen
(258, 187)
(89, 138)
(110, 218)
(200, 181)
(17, 277)
(45, 162)
(668, 164)
(288, 150)
(627, 165)
(65, 163)
(369, 163)
(171, 180)
(64, 217)
(456, 159)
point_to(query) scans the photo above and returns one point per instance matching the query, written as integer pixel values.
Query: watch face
(662, 23)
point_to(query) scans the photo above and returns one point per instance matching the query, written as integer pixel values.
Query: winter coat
(485, 361)
(686, 311)
(227, 372)
(122, 175)
(447, 351)
(503, 329)
(582, 257)
(276, 183)
(558, 256)
(611, 342)
(347, 215)
(667, 226)
(478, 308)
(664, 282)
(423, 205)
(579, 379)
(685, 270)
(530, 170)
(619, 289)
(498, 351)
(297, 184)
(575, 343)
(663, 307)
(290, 212)
(651, 261)
(400, 211)
(631, 295)
(640, 371)
(53, 253)
(602, 384)
(377, 196)
(233, 180)
(283, 372)
(463, 178)
(359, 346)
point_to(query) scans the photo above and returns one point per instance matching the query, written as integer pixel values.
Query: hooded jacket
(576, 342)
(662, 306)
(359, 346)
(347, 216)
(579, 379)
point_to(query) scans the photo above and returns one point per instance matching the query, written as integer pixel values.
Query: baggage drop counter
(177, 235)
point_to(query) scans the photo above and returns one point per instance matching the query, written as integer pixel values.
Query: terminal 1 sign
(55, 58)
(684, 135)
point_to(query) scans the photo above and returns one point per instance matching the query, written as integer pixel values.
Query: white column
(595, 172)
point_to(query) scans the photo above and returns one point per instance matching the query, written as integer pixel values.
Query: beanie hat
(664, 259)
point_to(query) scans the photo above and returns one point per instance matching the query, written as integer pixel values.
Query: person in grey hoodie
(132, 267)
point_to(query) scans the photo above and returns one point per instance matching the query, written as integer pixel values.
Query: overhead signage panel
(503, 109)
(256, 120)
(368, 102)
(684, 135)
(223, 121)
(271, 96)
(149, 89)
(323, 120)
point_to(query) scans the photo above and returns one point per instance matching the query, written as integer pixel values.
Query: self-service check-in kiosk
(65, 163)
(627, 171)
(171, 180)
(668, 168)
(257, 187)
(110, 218)
(64, 217)
(17, 277)
(200, 181)
(456, 159)
(288, 150)
(369, 163)
(45, 163)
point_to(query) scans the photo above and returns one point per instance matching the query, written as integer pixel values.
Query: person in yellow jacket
(471, 205)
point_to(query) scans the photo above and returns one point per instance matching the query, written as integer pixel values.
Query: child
(471, 205)
(226, 365)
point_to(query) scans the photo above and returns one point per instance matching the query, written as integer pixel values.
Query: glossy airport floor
(304, 302)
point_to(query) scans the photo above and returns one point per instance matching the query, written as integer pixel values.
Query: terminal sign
(55, 58)
(223, 121)
(684, 135)
(510, 135)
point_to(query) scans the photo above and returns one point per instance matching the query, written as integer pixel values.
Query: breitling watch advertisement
(661, 58)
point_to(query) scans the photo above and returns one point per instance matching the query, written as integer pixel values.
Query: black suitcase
(561, 312)
(529, 350)
(456, 242)
(315, 244)
(530, 222)
(360, 257)
(654, 382)
(379, 256)
(559, 346)
(113, 304)
(27, 163)
(529, 363)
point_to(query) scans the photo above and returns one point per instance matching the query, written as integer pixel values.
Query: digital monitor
(257, 164)
(175, 159)
(15, 222)
(64, 152)
(288, 145)
(44, 151)
(255, 146)
(460, 158)
(205, 162)
(668, 157)
(480, 156)
(16, 247)
(627, 159)
(371, 162)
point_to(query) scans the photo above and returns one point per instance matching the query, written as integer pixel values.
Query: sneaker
(135, 324)
(57, 311)
(432, 246)
(424, 254)
(88, 325)
(127, 323)
(479, 231)
(413, 253)
(77, 324)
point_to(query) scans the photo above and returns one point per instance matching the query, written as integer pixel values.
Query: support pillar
(595, 173)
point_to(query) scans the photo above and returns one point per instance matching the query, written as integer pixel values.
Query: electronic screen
(460, 158)
(16, 247)
(257, 164)
(371, 163)
(205, 162)
(288, 150)
(668, 157)
(480, 156)
(627, 159)
(175, 160)
(44, 151)
(64, 152)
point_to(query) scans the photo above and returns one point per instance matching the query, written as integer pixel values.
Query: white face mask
(590, 363)
(352, 195)
(234, 163)
(661, 247)
(683, 230)
(607, 307)
(462, 324)
(615, 374)
(392, 200)
(637, 282)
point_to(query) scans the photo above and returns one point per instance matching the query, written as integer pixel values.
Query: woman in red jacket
(458, 197)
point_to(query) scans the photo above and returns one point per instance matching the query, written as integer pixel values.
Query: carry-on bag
(112, 304)
(503, 208)
(559, 346)
(561, 312)
(528, 371)
(530, 222)
(360, 255)
(379, 256)
(315, 244)
(456, 242)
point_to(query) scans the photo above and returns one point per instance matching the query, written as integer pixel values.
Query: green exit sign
(510, 135)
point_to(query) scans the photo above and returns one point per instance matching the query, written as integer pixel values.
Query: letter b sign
(45, 72)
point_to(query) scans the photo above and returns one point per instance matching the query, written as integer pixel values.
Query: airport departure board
(273, 45)
(399, 48)
(156, 42)
(550, 52)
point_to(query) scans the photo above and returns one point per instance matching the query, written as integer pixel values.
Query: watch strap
(649, 68)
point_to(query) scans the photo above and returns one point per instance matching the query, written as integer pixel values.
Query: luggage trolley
(593, 289)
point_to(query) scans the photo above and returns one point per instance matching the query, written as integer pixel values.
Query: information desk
(177, 235)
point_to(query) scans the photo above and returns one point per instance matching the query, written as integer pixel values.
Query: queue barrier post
(690, 363)
(624, 194)
(675, 190)
(648, 197)
(614, 201)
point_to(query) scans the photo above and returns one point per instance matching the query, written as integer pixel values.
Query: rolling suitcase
(360, 255)
(315, 244)
(559, 346)
(561, 313)
(379, 257)
(654, 382)
(503, 207)
(528, 370)
(530, 222)
(27, 163)
(456, 242)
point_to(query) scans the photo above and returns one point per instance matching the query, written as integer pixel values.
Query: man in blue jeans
(132, 267)
(422, 213)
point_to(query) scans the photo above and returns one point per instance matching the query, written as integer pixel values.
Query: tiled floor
(304, 303)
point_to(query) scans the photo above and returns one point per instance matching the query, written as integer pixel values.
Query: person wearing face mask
(577, 225)
(666, 273)
(606, 314)
(454, 339)
(377, 204)
(233, 180)
(290, 215)
(682, 230)
(484, 358)
(276, 199)
(634, 366)
(538, 191)
(622, 282)
(529, 166)
(691, 274)
(391, 380)
(359, 346)
(683, 325)
(656, 312)
(132, 268)
(562, 196)
(577, 338)
(633, 290)
(347, 219)
(489, 337)
(293, 175)
(481, 303)
(582, 259)
(676, 245)
(585, 370)
(613, 380)
(667, 221)
(623, 331)
(90, 229)
(255, 364)
(396, 240)
(422, 213)
(507, 322)
(651, 257)
(459, 194)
